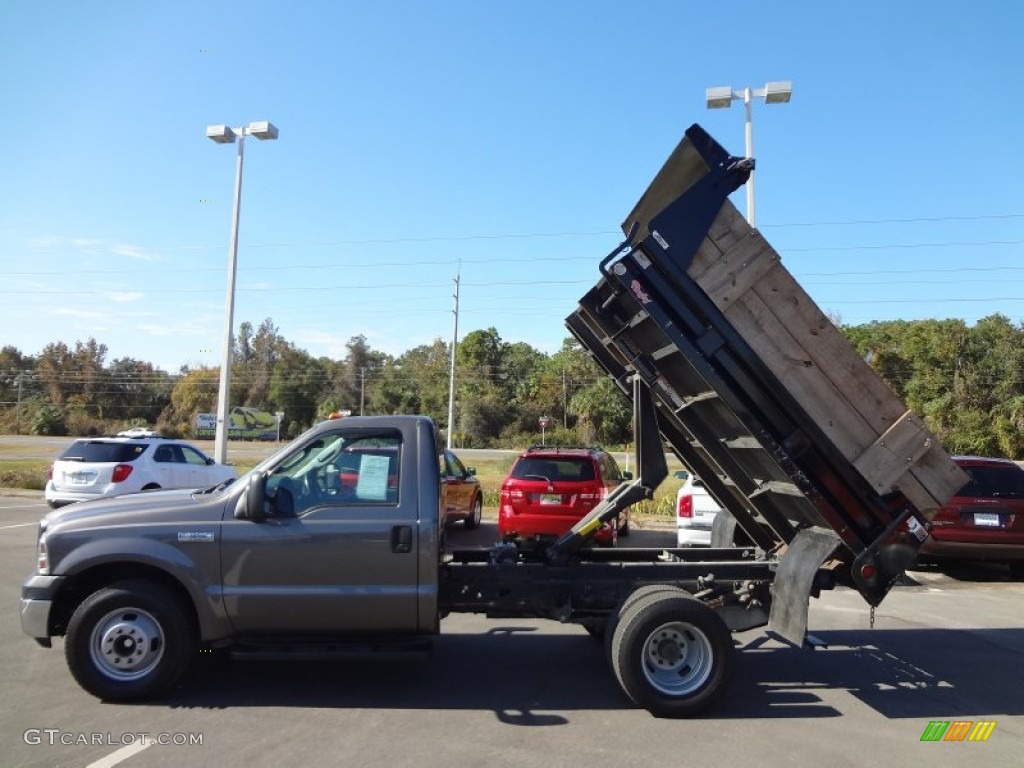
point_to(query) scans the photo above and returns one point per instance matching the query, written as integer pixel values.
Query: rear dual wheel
(671, 654)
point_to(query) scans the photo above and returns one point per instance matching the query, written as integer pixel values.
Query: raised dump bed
(755, 389)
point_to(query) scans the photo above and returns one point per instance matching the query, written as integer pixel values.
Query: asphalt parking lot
(945, 646)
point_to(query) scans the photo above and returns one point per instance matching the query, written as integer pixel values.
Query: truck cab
(338, 534)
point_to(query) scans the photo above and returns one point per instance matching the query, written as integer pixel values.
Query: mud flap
(791, 589)
(723, 530)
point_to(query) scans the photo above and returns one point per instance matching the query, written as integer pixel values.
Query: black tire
(151, 487)
(635, 596)
(624, 529)
(475, 515)
(129, 641)
(672, 655)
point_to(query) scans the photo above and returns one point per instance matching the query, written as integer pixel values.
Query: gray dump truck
(334, 546)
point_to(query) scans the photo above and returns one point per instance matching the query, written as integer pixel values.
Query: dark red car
(463, 498)
(985, 520)
(548, 490)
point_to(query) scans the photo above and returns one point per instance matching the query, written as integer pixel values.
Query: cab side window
(344, 468)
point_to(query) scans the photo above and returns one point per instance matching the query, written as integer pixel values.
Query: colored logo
(958, 730)
(639, 292)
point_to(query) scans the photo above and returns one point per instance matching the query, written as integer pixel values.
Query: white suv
(93, 468)
(695, 512)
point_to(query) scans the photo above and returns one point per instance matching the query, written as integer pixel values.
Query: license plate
(550, 498)
(82, 478)
(986, 519)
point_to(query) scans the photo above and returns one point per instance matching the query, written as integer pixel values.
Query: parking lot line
(119, 755)
(19, 525)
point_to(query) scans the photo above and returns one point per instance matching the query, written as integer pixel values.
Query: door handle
(401, 538)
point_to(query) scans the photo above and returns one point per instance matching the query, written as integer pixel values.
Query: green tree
(297, 385)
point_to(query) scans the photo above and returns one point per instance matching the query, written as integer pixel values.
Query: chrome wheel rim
(127, 644)
(677, 658)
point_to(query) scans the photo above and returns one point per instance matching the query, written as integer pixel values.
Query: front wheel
(131, 640)
(672, 654)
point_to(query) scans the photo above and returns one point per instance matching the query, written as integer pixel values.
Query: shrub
(49, 421)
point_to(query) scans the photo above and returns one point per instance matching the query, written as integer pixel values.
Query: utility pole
(362, 389)
(565, 405)
(17, 410)
(451, 377)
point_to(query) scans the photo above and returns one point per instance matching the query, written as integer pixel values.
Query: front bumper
(37, 599)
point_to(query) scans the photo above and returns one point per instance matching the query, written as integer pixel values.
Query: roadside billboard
(244, 423)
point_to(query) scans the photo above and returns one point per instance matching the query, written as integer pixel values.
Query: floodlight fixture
(222, 134)
(263, 130)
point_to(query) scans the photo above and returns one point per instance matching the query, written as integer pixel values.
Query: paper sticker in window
(373, 478)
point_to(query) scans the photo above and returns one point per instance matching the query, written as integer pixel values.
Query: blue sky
(503, 139)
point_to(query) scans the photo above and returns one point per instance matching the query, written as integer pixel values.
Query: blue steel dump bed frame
(722, 410)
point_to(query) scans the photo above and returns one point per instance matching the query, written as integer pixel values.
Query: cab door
(331, 558)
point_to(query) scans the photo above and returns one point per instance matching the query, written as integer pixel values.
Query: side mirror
(470, 471)
(250, 505)
(680, 474)
(210, 462)
(627, 475)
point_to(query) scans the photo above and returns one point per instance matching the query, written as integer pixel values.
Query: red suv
(985, 520)
(548, 490)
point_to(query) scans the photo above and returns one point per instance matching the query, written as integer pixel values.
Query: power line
(469, 261)
(900, 246)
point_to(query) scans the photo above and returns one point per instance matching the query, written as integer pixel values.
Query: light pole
(223, 134)
(772, 93)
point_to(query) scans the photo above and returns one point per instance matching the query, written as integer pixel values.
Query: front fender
(198, 572)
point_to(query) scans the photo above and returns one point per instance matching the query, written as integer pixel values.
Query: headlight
(42, 557)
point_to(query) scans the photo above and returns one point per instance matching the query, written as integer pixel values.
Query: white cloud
(44, 241)
(131, 251)
(124, 296)
(83, 313)
(90, 245)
